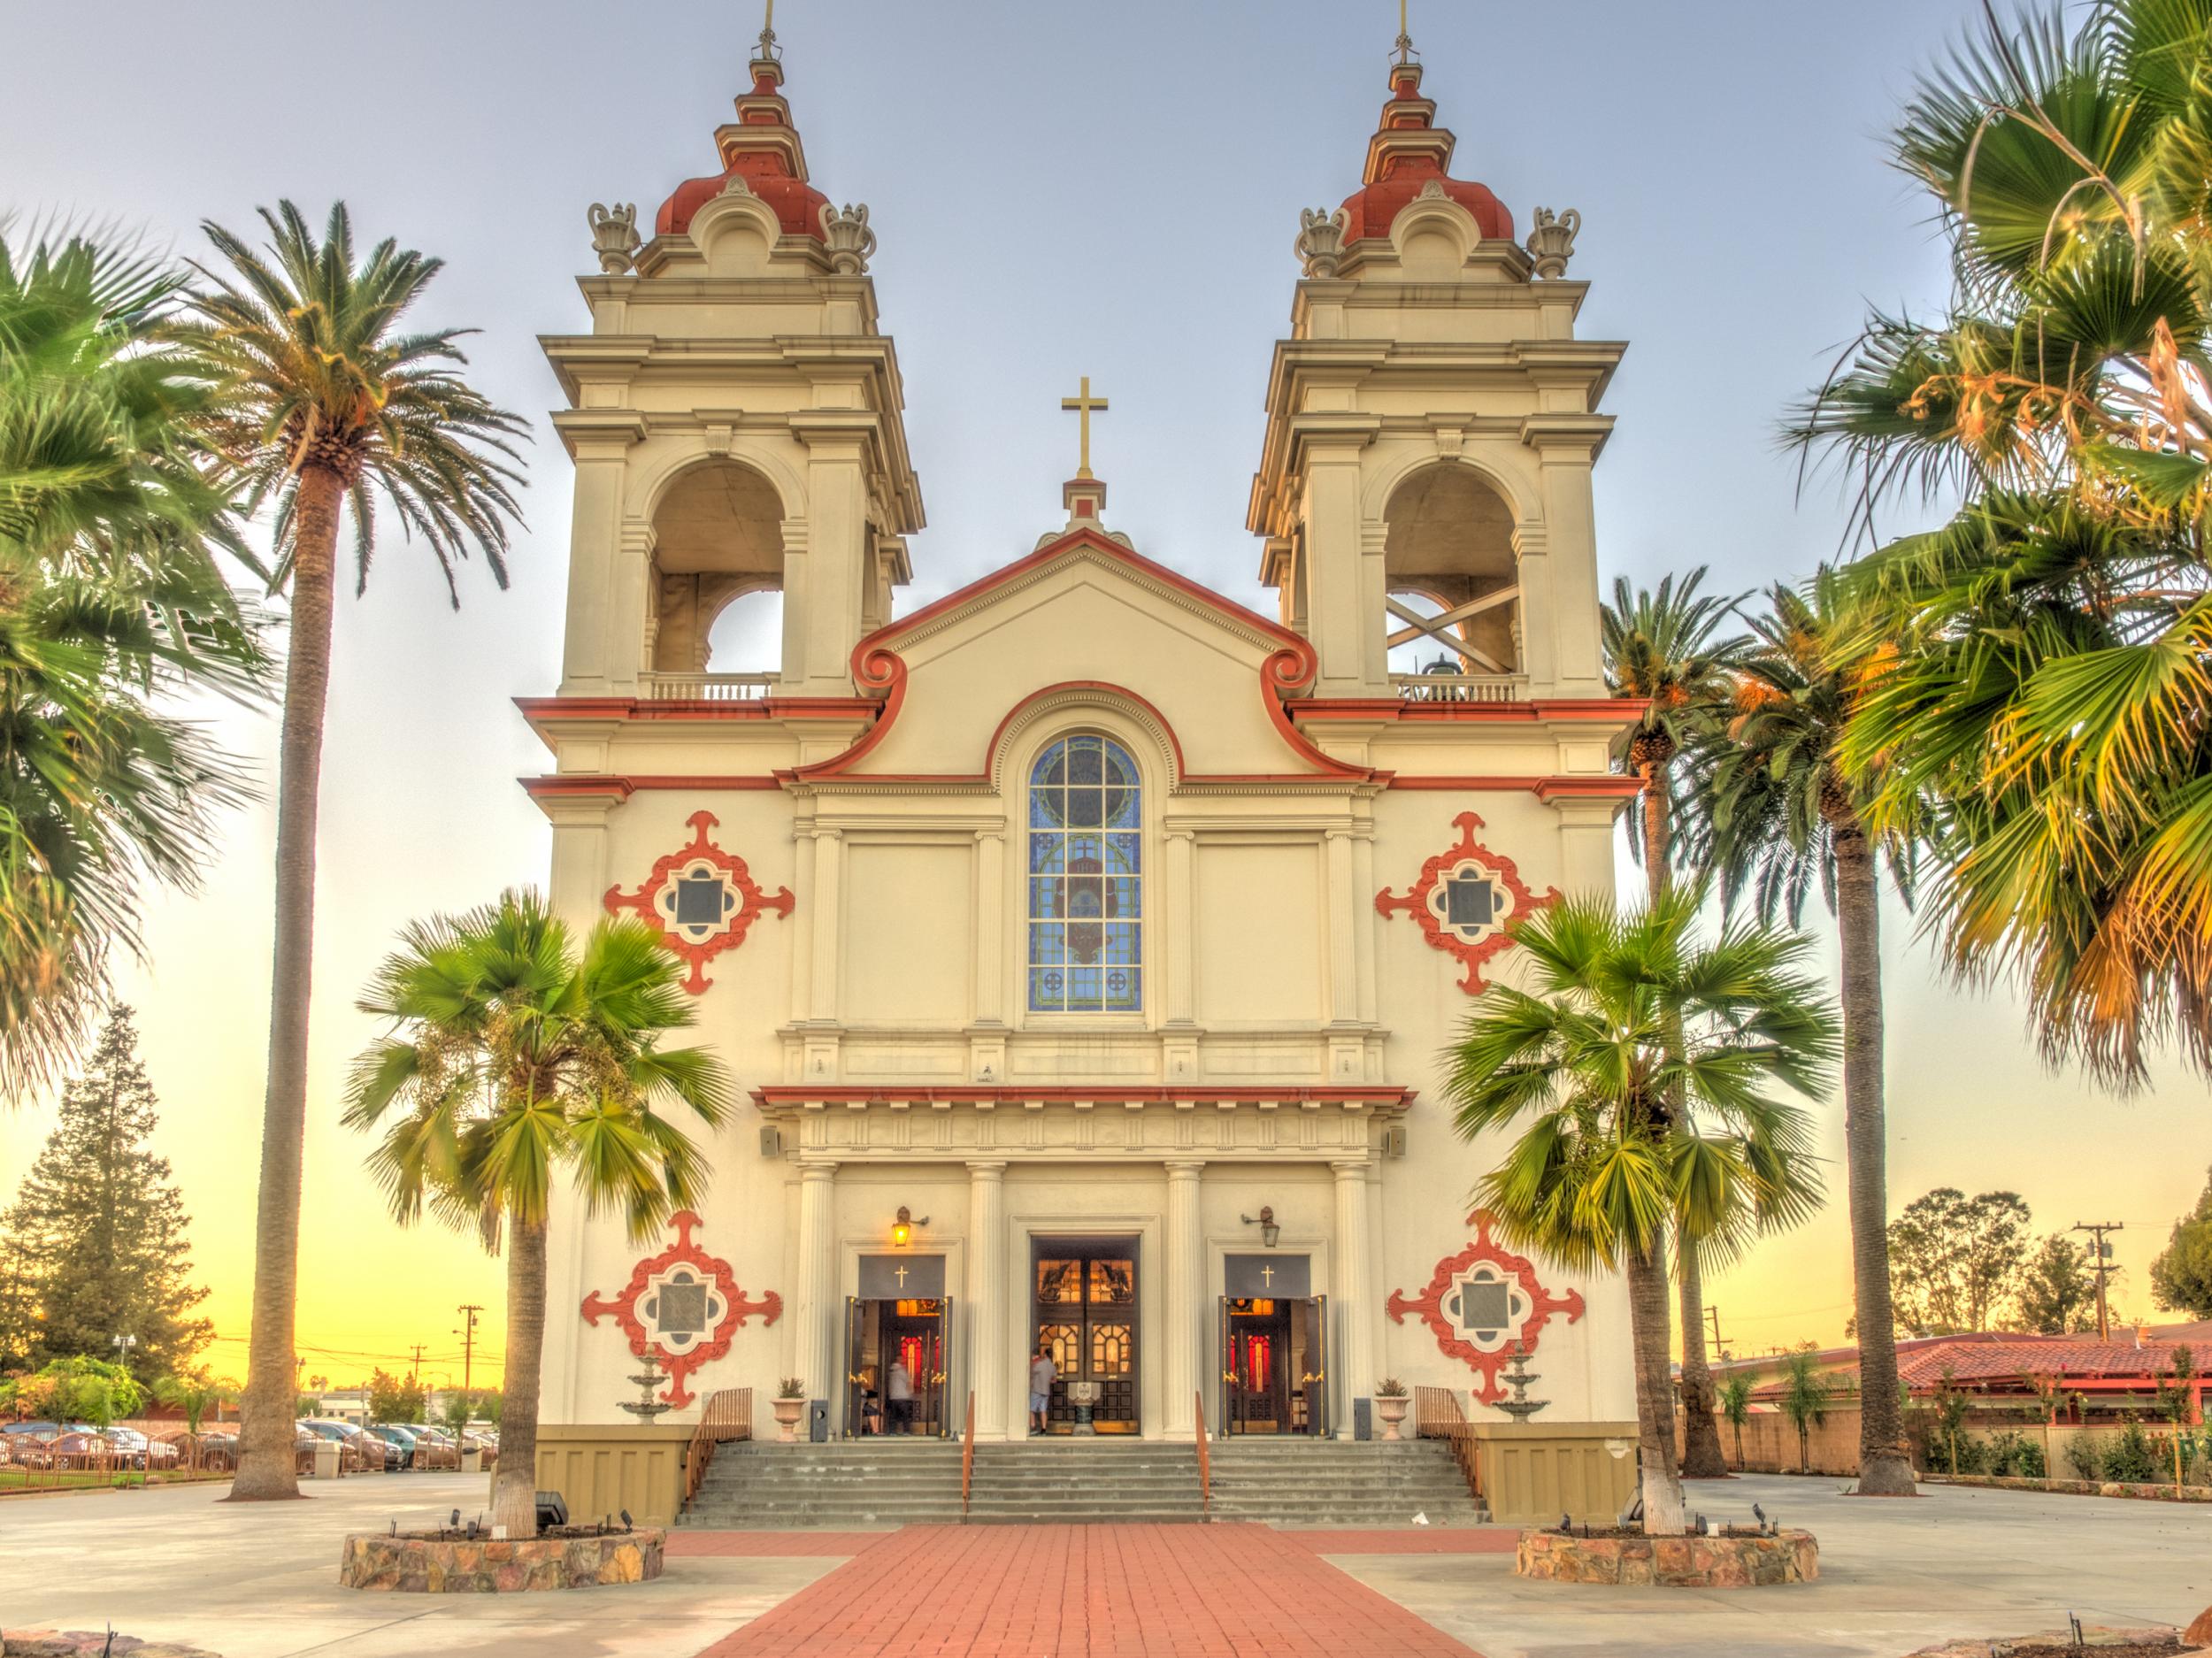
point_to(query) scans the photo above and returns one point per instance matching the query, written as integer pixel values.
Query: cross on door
(900, 1274)
(1267, 1277)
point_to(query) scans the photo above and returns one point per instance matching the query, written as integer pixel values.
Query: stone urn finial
(851, 242)
(1551, 241)
(614, 236)
(1321, 239)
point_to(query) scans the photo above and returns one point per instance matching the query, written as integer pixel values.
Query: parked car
(140, 1451)
(400, 1441)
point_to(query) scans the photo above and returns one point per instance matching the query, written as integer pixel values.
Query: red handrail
(1205, 1457)
(967, 1457)
(728, 1416)
(1437, 1416)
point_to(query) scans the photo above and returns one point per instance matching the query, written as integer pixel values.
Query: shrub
(2131, 1457)
(1973, 1455)
(2032, 1463)
(2083, 1457)
(2004, 1453)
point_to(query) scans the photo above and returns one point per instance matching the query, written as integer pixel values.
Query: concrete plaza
(260, 1582)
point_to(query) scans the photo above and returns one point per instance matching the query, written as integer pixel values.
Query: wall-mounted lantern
(1269, 1233)
(902, 1226)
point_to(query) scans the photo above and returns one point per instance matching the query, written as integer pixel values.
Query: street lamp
(123, 1346)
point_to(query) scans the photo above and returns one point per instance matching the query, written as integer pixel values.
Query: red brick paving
(766, 1545)
(1089, 1591)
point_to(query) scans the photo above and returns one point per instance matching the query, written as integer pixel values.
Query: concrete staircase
(1095, 1482)
(855, 1484)
(1340, 1483)
(847, 1484)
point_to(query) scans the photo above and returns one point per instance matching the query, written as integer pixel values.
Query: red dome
(763, 148)
(1407, 153)
(1371, 210)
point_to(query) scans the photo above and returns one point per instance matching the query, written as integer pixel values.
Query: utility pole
(1712, 1314)
(467, 1332)
(2102, 1253)
(414, 1371)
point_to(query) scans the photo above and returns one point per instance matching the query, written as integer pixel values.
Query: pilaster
(814, 1317)
(1351, 1292)
(1181, 1370)
(988, 1361)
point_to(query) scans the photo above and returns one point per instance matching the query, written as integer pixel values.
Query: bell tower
(736, 422)
(1423, 488)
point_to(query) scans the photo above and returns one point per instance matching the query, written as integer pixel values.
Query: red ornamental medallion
(684, 1304)
(1480, 1301)
(1465, 896)
(703, 900)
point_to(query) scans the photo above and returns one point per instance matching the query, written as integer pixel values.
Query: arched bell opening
(746, 636)
(717, 537)
(1453, 582)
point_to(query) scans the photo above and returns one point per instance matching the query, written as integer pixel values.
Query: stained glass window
(1085, 880)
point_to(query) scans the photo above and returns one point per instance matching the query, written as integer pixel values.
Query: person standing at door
(1043, 1373)
(899, 1393)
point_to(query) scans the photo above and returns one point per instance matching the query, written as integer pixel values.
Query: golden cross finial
(1404, 42)
(768, 31)
(1083, 402)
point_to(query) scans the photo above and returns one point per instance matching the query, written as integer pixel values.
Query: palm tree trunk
(265, 1467)
(1665, 1513)
(1701, 1456)
(1885, 1465)
(514, 1493)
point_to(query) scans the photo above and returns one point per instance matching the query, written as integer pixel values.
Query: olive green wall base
(1536, 1471)
(603, 1468)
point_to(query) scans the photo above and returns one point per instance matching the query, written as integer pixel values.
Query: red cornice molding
(1597, 710)
(1382, 1096)
(550, 709)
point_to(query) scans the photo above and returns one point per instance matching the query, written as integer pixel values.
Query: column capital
(987, 1170)
(1185, 1167)
(817, 1169)
(1350, 1167)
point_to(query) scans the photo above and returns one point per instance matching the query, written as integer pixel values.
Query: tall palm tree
(329, 409)
(1639, 1066)
(1784, 813)
(512, 1054)
(1665, 649)
(112, 523)
(2057, 699)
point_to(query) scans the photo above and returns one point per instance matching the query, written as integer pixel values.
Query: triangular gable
(1084, 612)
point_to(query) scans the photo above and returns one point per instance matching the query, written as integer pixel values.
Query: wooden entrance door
(1272, 1357)
(1084, 1292)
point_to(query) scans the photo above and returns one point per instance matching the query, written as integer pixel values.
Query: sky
(1059, 191)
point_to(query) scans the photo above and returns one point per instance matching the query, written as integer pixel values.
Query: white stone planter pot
(788, 1413)
(1393, 1411)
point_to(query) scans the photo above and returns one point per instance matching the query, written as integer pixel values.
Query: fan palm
(329, 409)
(512, 1054)
(111, 600)
(2058, 699)
(1785, 814)
(1638, 1066)
(1661, 648)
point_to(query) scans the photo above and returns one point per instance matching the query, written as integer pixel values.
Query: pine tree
(97, 1230)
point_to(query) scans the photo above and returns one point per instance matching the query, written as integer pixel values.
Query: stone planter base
(76, 1642)
(1675, 1562)
(428, 1565)
(2092, 1639)
(2148, 1492)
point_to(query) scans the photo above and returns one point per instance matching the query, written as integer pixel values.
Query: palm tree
(328, 408)
(512, 1054)
(195, 1393)
(1785, 814)
(1806, 1391)
(1660, 650)
(2056, 701)
(1734, 1398)
(111, 600)
(1639, 1061)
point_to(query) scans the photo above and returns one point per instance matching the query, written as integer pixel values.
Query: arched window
(1086, 887)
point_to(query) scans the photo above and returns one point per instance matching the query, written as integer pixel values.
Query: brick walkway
(1088, 1592)
(771, 1545)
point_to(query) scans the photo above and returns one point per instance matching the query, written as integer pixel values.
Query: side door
(856, 1364)
(1313, 1371)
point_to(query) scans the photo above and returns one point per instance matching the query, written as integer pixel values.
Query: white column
(814, 1320)
(988, 1358)
(1186, 1287)
(1355, 1312)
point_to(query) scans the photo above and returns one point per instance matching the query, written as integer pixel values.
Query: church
(1086, 940)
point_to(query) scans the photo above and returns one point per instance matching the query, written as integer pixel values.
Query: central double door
(898, 1347)
(1084, 1297)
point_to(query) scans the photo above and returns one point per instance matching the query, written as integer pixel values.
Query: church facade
(1085, 940)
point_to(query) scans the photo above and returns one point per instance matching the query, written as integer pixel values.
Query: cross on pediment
(1084, 403)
